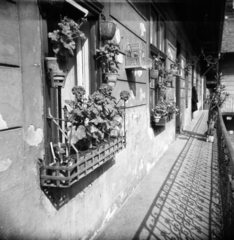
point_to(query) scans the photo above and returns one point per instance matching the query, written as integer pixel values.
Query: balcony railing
(226, 163)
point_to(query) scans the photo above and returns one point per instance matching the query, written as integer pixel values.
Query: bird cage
(135, 56)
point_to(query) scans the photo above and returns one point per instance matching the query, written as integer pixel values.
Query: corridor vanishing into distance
(186, 205)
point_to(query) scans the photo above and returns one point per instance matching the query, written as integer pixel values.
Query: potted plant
(107, 54)
(63, 40)
(172, 109)
(175, 68)
(156, 65)
(210, 135)
(159, 112)
(107, 28)
(92, 120)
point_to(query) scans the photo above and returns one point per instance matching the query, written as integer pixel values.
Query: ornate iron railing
(226, 162)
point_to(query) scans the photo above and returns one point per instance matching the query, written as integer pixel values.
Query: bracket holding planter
(135, 57)
(56, 75)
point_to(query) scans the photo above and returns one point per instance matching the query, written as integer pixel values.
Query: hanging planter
(154, 73)
(56, 75)
(107, 29)
(111, 78)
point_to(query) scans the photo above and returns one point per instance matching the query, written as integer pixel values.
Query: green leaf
(75, 135)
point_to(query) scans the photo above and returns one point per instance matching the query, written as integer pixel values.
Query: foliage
(108, 54)
(162, 84)
(172, 108)
(165, 108)
(219, 96)
(63, 38)
(210, 132)
(157, 62)
(160, 110)
(93, 119)
(176, 64)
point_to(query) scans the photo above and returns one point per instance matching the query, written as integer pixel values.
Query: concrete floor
(179, 198)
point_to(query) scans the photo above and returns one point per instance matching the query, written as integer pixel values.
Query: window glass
(162, 36)
(153, 28)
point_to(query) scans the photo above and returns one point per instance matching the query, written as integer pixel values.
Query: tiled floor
(187, 205)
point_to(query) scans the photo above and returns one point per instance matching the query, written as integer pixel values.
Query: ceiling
(203, 20)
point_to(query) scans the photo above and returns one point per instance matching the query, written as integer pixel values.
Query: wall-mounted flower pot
(175, 72)
(154, 73)
(162, 92)
(56, 75)
(156, 118)
(161, 122)
(111, 78)
(107, 29)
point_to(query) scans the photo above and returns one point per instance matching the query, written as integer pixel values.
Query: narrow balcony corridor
(179, 198)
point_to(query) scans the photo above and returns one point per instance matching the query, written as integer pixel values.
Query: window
(157, 47)
(153, 28)
(81, 70)
(157, 30)
(154, 89)
(162, 36)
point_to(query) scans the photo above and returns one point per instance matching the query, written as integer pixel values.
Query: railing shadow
(187, 200)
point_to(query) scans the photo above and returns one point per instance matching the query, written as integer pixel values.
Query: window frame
(159, 19)
(52, 96)
(152, 86)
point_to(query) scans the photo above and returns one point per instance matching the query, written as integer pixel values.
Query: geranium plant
(175, 65)
(63, 38)
(172, 108)
(160, 110)
(157, 62)
(92, 120)
(215, 100)
(218, 97)
(107, 54)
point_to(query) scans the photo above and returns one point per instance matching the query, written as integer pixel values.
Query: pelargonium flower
(124, 95)
(78, 90)
(105, 89)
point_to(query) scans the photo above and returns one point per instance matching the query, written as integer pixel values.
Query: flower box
(85, 163)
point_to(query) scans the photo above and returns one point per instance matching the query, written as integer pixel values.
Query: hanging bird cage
(135, 56)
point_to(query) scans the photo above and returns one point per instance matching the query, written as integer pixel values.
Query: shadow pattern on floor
(188, 204)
